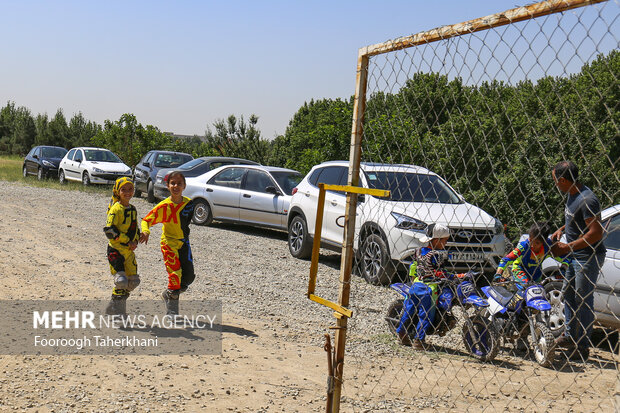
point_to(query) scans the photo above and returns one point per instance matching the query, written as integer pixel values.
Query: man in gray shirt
(584, 234)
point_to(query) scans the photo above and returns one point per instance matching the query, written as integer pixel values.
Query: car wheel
(553, 290)
(61, 177)
(136, 192)
(24, 172)
(85, 178)
(299, 243)
(202, 213)
(150, 194)
(40, 175)
(375, 264)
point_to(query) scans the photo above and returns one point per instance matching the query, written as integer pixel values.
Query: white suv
(388, 230)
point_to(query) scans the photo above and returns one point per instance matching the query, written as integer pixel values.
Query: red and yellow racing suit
(174, 243)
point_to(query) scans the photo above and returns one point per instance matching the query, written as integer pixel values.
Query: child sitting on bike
(526, 259)
(422, 299)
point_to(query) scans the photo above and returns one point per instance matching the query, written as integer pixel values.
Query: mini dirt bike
(481, 341)
(515, 314)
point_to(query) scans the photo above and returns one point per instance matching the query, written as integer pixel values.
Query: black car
(146, 170)
(194, 168)
(43, 161)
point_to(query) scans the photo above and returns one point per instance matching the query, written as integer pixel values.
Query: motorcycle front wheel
(481, 339)
(543, 345)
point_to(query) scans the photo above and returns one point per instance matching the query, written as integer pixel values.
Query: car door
(31, 160)
(607, 292)
(65, 163)
(334, 203)
(141, 171)
(256, 205)
(223, 191)
(76, 165)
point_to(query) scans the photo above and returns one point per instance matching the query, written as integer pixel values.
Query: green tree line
(494, 142)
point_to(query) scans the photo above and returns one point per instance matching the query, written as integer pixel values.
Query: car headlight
(97, 170)
(499, 227)
(159, 180)
(405, 222)
(48, 164)
(128, 171)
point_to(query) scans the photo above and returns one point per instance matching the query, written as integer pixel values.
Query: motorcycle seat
(501, 295)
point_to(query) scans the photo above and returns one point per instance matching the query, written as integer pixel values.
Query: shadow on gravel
(250, 230)
(240, 331)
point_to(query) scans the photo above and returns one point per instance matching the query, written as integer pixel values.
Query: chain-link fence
(486, 109)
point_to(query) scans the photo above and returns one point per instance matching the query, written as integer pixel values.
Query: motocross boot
(171, 298)
(403, 338)
(117, 305)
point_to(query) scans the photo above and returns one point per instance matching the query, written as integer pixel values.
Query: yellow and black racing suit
(121, 229)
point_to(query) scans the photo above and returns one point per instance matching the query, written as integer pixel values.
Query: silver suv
(388, 230)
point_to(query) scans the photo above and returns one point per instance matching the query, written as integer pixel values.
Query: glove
(461, 275)
(499, 278)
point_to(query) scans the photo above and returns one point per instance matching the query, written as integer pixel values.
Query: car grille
(470, 236)
(111, 176)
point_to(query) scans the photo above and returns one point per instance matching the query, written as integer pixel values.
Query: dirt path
(51, 247)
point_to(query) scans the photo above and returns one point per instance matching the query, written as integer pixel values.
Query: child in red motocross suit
(123, 234)
(175, 213)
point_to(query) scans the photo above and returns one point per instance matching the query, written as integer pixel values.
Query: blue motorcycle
(516, 313)
(481, 341)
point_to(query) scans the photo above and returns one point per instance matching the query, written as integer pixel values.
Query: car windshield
(171, 160)
(53, 152)
(191, 164)
(101, 156)
(287, 180)
(412, 187)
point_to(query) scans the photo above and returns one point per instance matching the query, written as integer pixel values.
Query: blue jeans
(578, 289)
(420, 301)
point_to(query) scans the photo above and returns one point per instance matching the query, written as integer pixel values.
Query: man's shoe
(580, 354)
(419, 345)
(403, 338)
(565, 342)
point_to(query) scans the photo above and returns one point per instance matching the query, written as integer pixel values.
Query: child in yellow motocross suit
(175, 213)
(123, 234)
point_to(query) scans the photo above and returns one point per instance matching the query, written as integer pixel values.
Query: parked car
(192, 169)
(607, 289)
(145, 172)
(248, 194)
(43, 161)
(388, 230)
(91, 166)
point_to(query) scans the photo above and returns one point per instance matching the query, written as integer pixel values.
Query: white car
(91, 166)
(246, 194)
(607, 289)
(388, 230)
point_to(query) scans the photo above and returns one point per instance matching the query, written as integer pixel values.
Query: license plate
(467, 256)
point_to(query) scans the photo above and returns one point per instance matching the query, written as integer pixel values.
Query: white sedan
(247, 194)
(91, 166)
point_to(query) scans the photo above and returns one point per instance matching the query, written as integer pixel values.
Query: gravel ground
(54, 242)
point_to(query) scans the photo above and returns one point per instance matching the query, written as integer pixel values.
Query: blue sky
(181, 65)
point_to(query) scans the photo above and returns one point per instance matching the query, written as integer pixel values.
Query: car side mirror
(361, 198)
(35, 156)
(78, 160)
(146, 164)
(272, 190)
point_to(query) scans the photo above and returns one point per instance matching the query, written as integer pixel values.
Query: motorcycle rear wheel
(480, 338)
(394, 314)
